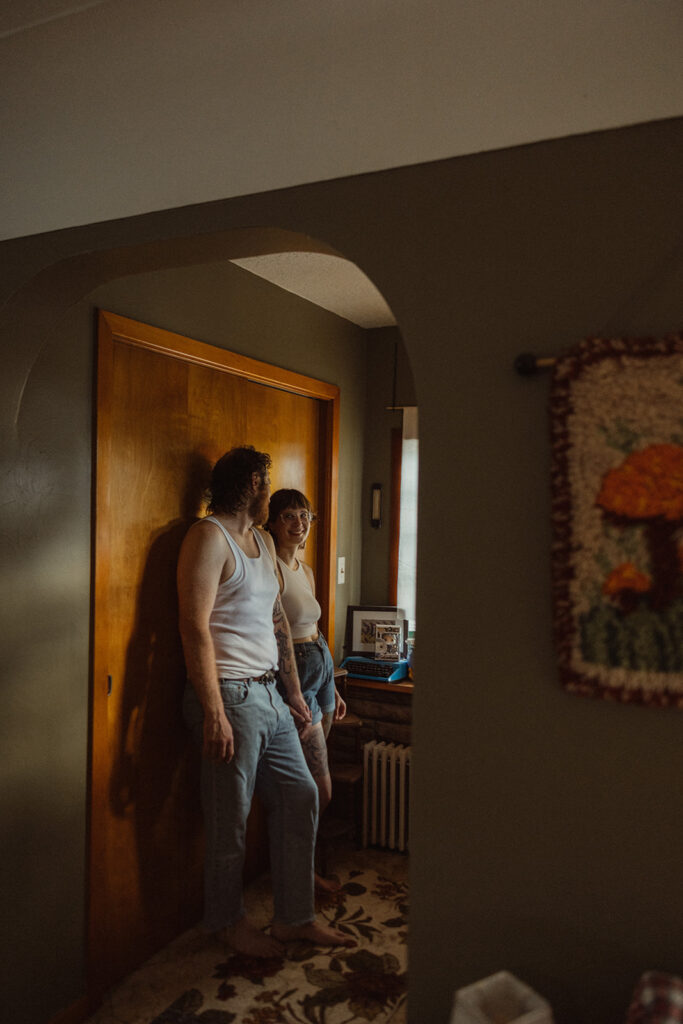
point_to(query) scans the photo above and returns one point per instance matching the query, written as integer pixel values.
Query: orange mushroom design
(625, 584)
(647, 488)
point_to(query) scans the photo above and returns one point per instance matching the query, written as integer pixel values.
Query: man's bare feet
(318, 934)
(326, 885)
(244, 937)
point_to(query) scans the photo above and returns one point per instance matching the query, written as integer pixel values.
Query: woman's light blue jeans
(268, 758)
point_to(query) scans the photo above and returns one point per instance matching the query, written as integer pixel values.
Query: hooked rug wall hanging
(617, 508)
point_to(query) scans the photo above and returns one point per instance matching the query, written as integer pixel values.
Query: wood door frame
(113, 328)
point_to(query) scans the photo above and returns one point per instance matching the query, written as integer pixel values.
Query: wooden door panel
(167, 409)
(149, 876)
(217, 409)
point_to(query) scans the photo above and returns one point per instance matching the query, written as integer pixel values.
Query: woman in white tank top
(289, 522)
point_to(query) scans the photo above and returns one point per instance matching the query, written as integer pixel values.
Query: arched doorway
(227, 318)
(178, 282)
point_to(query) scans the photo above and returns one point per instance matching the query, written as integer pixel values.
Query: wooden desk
(376, 684)
(385, 708)
(343, 679)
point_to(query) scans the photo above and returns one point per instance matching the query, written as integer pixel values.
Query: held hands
(300, 710)
(219, 742)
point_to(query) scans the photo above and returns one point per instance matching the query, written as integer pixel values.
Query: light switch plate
(341, 569)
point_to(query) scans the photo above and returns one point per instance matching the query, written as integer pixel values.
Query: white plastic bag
(500, 999)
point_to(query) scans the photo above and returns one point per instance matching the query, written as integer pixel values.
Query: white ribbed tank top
(241, 622)
(300, 605)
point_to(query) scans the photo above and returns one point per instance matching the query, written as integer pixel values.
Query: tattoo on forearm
(285, 650)
(315, 752)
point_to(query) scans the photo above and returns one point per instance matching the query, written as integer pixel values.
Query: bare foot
(244, 937)
(326, 885)
(318, 934)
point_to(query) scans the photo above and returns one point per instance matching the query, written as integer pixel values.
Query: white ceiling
(334, 283)
(114, 108)
(331, 282)
(22, 14)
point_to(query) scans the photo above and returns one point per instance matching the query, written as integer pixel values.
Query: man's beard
(258, 507)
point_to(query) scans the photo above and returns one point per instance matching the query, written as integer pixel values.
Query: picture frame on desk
(360, 627)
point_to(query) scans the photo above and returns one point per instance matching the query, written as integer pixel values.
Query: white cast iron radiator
(386, 795)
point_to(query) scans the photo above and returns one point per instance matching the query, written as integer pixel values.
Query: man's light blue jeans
(268, 758)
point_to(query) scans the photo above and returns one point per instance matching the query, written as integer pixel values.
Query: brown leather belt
(267, 677)
(305, 639)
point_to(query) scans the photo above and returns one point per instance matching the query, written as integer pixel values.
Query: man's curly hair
(231, 478)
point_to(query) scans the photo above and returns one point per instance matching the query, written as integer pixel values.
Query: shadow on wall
(155, 771)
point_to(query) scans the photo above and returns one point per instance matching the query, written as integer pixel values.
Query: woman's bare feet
(244, 937)
(318, 934)
(326, 885)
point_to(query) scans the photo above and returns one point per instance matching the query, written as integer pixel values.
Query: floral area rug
(195, 981)
(617, 486)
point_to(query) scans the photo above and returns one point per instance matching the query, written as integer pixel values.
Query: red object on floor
(658, 999)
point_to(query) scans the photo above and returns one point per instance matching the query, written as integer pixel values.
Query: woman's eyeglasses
(291, 517)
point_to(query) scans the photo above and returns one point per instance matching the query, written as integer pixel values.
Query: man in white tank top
(235, 637)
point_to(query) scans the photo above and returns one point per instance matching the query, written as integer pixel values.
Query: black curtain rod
(527, 364)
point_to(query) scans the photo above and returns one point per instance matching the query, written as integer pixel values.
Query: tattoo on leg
(315, 752)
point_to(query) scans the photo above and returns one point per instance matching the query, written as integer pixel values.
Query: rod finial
(526, 364)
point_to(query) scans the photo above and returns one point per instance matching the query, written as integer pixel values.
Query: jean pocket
(233, 692)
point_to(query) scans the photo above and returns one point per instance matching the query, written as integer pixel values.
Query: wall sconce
(376, 506)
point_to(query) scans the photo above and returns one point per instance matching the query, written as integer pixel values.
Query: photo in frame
(361, 621)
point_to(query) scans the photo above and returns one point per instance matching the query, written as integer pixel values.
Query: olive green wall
(545, 832)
